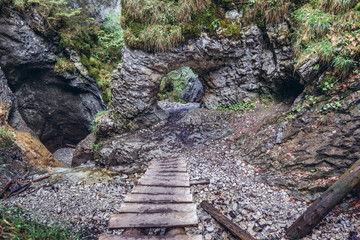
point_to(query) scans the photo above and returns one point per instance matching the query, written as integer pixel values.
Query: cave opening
(57, 111)
(180, 90)
(289, 89)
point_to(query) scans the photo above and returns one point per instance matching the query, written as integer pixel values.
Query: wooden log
(199, 182)
(5, 187)
(227, 223)
(323, 205)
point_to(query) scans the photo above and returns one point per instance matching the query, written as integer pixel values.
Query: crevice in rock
(290, 88)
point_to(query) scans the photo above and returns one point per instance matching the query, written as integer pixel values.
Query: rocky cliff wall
(231, 71)
(57, 107)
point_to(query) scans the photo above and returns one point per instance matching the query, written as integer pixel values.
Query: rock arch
(230, 70)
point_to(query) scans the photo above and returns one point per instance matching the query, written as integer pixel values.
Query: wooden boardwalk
(161, 199)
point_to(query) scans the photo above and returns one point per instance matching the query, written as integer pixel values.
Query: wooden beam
(227, 223)
(323, 205)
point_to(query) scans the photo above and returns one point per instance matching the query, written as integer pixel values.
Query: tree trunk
(318, 210)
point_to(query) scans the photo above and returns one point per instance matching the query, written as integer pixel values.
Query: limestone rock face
(230, 71)
(58, 107)
(83, 151)
(26, 145)
(195, 91)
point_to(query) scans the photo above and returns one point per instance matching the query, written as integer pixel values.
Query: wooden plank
(153, 208)
(168, 161)
(163, 182)
(163, 190)
(167, 164)
(175, 169)
(159, 198)
(149, 220)
(165, 170)
(177, 237)
(165, 174)
(167, 178)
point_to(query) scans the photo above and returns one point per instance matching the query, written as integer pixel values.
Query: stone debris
(88, 195)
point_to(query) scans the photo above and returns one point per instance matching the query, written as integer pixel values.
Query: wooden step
(165, 174)
(164, 178)
(160, 167)
(149, 220)
(158, 190)
(159, 198)
(165, 170)
(168, 164)
(153, 208)
(169, 161)
(164, 182)
(177, 237)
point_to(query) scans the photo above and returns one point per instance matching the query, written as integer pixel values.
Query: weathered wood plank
(177, 237)
(156, 208)
(148, 220)
(168, 165)
(167, 178)
(165, 174)
(168, 161)
(160, 198)
(164, 182)
(163, 190)
(164, 169)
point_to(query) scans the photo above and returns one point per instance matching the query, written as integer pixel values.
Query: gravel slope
(88, 195)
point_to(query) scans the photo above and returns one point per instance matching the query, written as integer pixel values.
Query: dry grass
(162, 12)
(272, 11)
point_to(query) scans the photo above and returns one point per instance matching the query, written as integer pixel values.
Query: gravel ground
(88, 195)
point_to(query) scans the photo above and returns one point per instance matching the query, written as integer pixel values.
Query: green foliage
(174, 83)
(330, 31)
(262, 12)
(6, 138)
(156, 25)
(16, 223)
(239, 107)
(93, 127)
(64, 65)
(342, 65)
(159, 25)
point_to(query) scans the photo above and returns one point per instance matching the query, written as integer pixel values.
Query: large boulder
(195, 91)
(84, 151)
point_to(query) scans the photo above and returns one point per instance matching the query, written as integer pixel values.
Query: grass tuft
(16, 223)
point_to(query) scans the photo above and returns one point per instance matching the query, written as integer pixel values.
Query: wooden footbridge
(161, 199)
